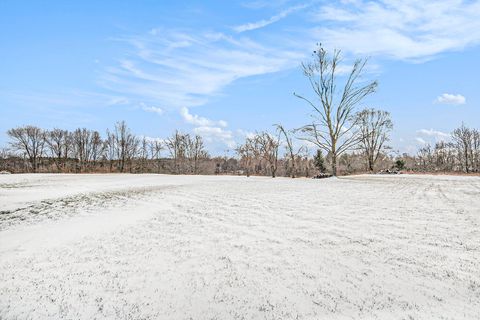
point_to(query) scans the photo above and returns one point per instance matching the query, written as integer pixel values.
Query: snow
(206, 247)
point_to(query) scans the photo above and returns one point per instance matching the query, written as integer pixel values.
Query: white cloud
(431, 136)
(200, 121)
(216, 134)
(433, 133)
(448, 98)
(156, 110)
(400, 29)
(265, 22)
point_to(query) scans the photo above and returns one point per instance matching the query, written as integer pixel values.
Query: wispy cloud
(156, 110)
(198, 120)
(448, 98)
(186, 68)
(400, 29)
(420, 141)
(265, 22)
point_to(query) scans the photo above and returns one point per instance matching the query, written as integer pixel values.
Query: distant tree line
(459, 153)
(32, 149)
(338, 138)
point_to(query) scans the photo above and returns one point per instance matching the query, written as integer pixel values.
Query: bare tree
(124, 143)
(143, 153)
(475, 150)
(290, 149)
(333, 126)
(30, 140)
(268, 147)
(425, 157)
(81, 142)
(246, 154)
(156, 147)
(463, 140)
(306, 163)
(444, 156)
(97, 146)
(56, 141)
(374, 127)
(195, 151)
(176, 147)
(110, 146)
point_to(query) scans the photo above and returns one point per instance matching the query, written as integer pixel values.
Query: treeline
(32, 149)
(459, 153)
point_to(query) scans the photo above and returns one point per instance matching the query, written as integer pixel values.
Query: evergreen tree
(400, 164)
(319, 161)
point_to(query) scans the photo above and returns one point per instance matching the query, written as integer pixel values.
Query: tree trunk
(370, 163)
(334, 164)
(34, 165)
(293, 166)
(466, 161)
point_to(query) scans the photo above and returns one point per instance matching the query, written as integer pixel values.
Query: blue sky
(224, 69)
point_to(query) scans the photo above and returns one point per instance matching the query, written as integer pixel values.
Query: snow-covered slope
(196, 247)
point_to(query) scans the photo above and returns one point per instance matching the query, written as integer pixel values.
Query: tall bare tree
(374, 128)
(333, 126)
(30, 140)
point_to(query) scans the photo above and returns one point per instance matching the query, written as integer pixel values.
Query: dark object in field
(388, 171)
(321, 176)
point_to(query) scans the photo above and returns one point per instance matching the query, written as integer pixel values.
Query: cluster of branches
(461, 152)
(260, 153)
(186, 151)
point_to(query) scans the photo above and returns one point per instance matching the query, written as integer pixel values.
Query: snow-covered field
(197, 247)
